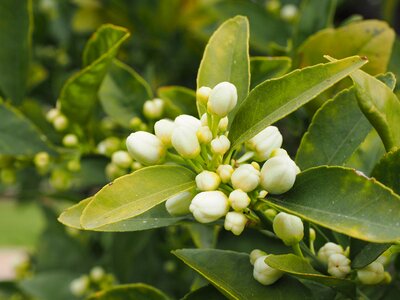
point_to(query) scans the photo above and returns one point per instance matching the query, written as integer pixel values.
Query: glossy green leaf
(136, 193)
(387, 170)
(264, 68)
(226, 58)
(18, 136)
(370, 38)
(179, 100)
(79, 94)
(206, 292)
(381, 107)
(123, 93)
(155, 217)
(16, 22)
(276, 98)
(363, 253)
(345, 201)
(324, 144)
(135, 291)
(301, 268)
(232, 274)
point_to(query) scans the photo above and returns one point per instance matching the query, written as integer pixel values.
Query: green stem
(297, 250)
(193, 166)
(175, 158)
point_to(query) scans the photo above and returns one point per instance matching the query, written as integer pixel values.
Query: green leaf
(381, 107)
(226, 58)
(301, 268)
(133, 291)
(345, 201)
(179, 100)
(79, 94)
(155, 217)
(18, 136)
(136, 193)
(276, 98)
(264, 68)
(232, 274)
(387, 170)
(205, 292)
(324, 144)
(123, 93)
(370, 38)
(363, 253)
(16, 23)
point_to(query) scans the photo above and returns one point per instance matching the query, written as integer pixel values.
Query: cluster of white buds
(262, 272)
(59, 121)
(335, 257)
(153, 109)
(96, 280)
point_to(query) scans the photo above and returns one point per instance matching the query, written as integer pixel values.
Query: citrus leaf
(387, 170)
(276, 98)
(179, 100)
(133, 291)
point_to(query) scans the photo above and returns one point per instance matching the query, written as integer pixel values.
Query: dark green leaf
(264, 68)
(206, 292)
(387, 170)
(180, 100)
(363, 253)
(135, 291)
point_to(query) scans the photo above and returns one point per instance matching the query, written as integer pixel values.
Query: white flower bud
(97, 273)
(204, 135)
(74, 165)
(79, 286)
(185, 141)
(145, 147)
(235, 222)
(255, 254)
(263, 273)
(288, 228)
(220, 145)
(327, 250)
(239, 200)
(188, 121)
(70, 140)
(204, 120)
(202, 94)
(279, 152)
(109, 145)
(60, 123)
(278, 174)
(289, 12)
(225, 172)
(122, 159)
(113, 171)
(136, 165)
(222, 100)
(41, 160)
(207, 207)
(163, 129)
(153, 109)
(178, 205)
(52, 114)
(374, 273)
(207, 181)
(223, 124)
(246, 178)
(265, 142)
(338, 265)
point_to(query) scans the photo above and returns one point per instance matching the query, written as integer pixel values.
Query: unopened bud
(113, 171)
(207, 181)
(163, 129)
(222, 100)
(60, 123)
(235, 222)
(79, 286)
(204, 120)
(204, 135)
(338, 265)
(109, 145)
(278, 175)
(288, 228)
(270, 213)
(220, 145)
(312, 234)
(185, 142)
(239, 200)
(52, 114)
(223, 124)
(225, 172)
(70, 140)
(255, 254)
(263, 273)
(374, 273)
(202, 94)
(207, 207)
(8, 176)
(41, 160)
(74, 165)
(178, 205)
(122, 159)
(289, 12)
(136, 165)
(135, 122)
(265, 142)
(327, 250)
(153, 109)
(145, 147)
(188, 122)
(97, 273)
(246, 178)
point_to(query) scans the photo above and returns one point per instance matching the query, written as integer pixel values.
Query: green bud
(288, 228)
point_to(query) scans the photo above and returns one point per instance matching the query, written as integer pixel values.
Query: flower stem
(297, 250)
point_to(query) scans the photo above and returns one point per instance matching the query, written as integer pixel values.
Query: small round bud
(255, 254)
(41, 160)
(289, 12)
(8, 176)
(279, 152)
(70, 140)
(239, 200)
(97, 273)
(153, 109)
(246, 178)
(223, 124)
(163, 129)
(327, 250)
(225, 172)
(235, 222)
(188, 121)
(60, 123)
(265, 142)
(136, 165)
(288, 228)
(270, 213)
(204, 120)
(135, 122)
(178, 205)
(312, 234)
(109, 145)
(273, 6)
(146, 148)
(107, 124)
(60, 179)
(262, 194)
(222, 100)
(79, 286)
(338, 265)
(220, 145)
(256, 165)
(122, 159)
(204, 135)
(185, 142)
(374, 273)
(278, 175)
(208, 207)
(74, 165)
(263, 273)
(207, 181)
(113, 171)
(52, 114)
(202, 94)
